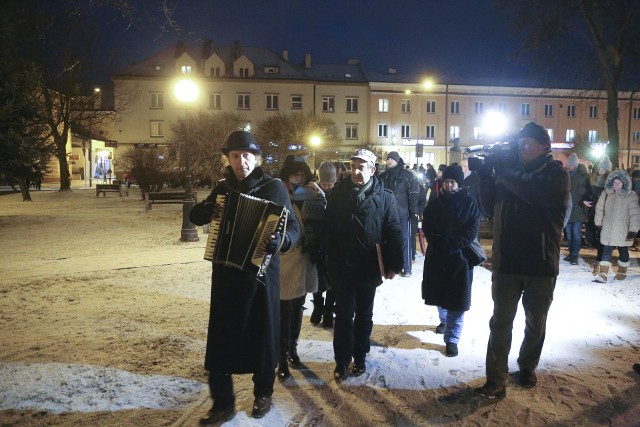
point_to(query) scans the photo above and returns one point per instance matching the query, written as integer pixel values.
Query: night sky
(457, 37)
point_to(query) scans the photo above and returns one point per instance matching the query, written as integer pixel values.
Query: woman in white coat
(618, 217)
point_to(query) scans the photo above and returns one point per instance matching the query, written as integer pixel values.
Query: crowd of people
(348, 231)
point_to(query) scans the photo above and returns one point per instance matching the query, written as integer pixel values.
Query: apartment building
(394, 111)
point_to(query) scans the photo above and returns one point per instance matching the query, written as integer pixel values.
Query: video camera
(496, 154)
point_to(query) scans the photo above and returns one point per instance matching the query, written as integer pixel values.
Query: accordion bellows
(235, 236)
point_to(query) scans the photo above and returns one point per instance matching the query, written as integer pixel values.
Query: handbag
(474, 253)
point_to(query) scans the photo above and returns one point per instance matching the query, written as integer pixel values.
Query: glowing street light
(315, 143)
(494, 124)
(187, 92)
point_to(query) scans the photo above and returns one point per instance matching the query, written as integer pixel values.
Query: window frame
(271, 101)
(350, 130)
(383, 130)
(243, 101)
(158, 127)
(215, 101)
(351, 104)
(328, 104)
(157, 100)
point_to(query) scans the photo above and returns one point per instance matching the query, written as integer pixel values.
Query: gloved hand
(631, 235)
(273, 244)
(480, 167)
(598, 228)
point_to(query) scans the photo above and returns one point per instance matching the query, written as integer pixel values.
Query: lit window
(550, 132)
(454, 132)
(406, 131)
(479, 107)
(571, 110)
(186, 69)
(431, 106)
(383, 105)
(352, 105)
(593, 135)
(383, 130)
(571, 135)
(477, 133)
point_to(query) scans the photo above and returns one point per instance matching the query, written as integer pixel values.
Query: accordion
(235, 236)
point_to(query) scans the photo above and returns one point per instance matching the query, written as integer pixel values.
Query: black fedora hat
(240, 140)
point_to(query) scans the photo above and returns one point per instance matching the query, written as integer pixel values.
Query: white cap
(365, 155)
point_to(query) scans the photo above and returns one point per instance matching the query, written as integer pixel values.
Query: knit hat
(327, 173)
(605, 164)
(535, 131)
(573, 160)
(455, 173)
(394, 155)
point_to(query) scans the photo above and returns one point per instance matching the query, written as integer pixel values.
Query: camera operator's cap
(365, 155)
(535, 131)
(240, 140)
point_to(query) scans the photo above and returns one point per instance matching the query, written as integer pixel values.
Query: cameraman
(525, 192)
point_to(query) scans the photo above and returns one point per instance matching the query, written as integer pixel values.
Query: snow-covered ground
(103, 322)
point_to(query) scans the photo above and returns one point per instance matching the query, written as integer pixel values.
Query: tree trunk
(61, 153)
(24, 190)
(612, 125)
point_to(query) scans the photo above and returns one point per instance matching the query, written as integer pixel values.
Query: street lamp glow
(315, 140)
(186, 91)
(494, 123)
(597, 151)
(428, 84)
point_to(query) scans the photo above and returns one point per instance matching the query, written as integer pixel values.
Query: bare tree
(284, 134)
(596, 40)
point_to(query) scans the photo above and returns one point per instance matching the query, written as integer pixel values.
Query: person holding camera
(526, 193)
(244, 314)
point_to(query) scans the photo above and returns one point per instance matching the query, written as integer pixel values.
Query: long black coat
(350, 234)
(405, 186)
(450, 222)
(244, 316)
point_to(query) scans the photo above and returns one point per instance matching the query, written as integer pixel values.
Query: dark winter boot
(283, 367)
(327, 318)
(318, 305)
(294, 359)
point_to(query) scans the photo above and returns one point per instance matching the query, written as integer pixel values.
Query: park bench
(104, 188)
(167, 197)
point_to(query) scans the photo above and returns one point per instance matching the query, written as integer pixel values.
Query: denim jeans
(623, 252)
(353, 323)
(453, 321)
(574, 237)
(537, 295)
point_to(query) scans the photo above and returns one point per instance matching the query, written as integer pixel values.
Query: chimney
(285, 55)
(307, 60)
(237, 50)
(206, 48)
(353, 62)
(179, 49)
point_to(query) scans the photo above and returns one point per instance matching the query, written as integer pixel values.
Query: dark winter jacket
(528, 205)
(450, 223)
(244, 316)
(404, 185)
(580, 192)
(351, 231)
(470, 184)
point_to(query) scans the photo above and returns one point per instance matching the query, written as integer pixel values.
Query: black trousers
(353, 324)
(290, 323)
(221, 388)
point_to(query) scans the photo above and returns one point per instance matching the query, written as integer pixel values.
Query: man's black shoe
(217, 416)
(492, 391)
(567, 258)
(294, 359)
(261, 406)
(405, 273)
(636, 368)
(358, 368)
(340, 373)
(440, 328)
(528, 378)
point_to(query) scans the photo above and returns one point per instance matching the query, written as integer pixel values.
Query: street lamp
(187, 92)
(315, 142)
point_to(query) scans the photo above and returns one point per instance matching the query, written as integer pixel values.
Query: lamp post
(187, 92)
(315, 142)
